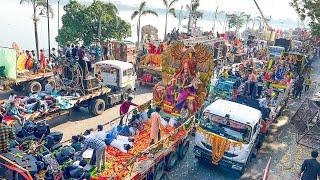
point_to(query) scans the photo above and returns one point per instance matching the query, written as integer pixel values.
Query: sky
(16, 20)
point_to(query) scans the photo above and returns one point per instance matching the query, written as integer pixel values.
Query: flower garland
(219, 144)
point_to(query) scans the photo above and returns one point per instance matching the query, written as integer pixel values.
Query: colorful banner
(8, 59)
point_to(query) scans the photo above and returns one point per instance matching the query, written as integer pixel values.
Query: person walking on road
(124, 108)
(99, 148)
(307, 84)
(310, 169)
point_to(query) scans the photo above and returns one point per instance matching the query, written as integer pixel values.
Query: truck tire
(97, 107)
(183, 149)
(33, 87)
(159, 170)
(171, 160)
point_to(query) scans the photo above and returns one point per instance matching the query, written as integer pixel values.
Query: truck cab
(234, 122)
(117, 75)
(276, 51)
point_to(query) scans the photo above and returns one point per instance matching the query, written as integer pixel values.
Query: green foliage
(81, 23)
(309, 9)
(237, 21)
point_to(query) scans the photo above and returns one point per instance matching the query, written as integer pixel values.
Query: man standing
(98, 146)
(82, 62)
(155, 126)
(124, 108)
(48, 88)
(74, 51)
(310, 168)
(6, 133)
(43, 61)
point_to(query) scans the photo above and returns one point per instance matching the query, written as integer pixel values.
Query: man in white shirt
(12, 97)
(48, 88)
(101, 134)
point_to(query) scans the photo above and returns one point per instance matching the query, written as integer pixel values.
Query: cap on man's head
(130, 98)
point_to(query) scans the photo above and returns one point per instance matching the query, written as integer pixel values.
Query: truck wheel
(159, 170)
(97, 107)
(33, 87)
(183, 149)
(171, 160)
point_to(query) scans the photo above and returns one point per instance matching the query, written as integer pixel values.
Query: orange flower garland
(219, 144)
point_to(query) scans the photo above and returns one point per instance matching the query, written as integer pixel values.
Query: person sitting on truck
(124, 108)
(12, 97)
(48, 88)
(99, 148)
(14, 111)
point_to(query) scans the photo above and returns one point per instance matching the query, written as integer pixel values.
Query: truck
(14, 75)
(225, 122)
(276, 51)
(144, 160)
(74, 91)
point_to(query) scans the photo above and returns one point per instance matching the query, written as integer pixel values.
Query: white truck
(117, 75)
(234, 122)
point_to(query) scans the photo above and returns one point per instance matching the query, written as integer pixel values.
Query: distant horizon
(10, 26)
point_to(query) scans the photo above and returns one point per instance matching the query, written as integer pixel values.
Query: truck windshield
(226, 127)
(276, 50)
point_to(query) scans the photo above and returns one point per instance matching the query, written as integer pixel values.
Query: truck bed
(56, 111)
(142, 157)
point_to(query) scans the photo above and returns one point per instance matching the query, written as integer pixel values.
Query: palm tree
(216, 13)
(169, 9)
(194, 14)
(180, 17)
(248, 19)
(237, 21)
(141, 12)
(38, 5)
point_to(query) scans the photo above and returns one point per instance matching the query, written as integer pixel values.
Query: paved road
(80, 121)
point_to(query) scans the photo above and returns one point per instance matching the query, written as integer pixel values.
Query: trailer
(12, 75)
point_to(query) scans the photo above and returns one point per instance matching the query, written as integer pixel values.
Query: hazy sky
(16, 24)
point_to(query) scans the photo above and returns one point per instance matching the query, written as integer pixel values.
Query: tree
(248, 19)
(88, 24)
(142, 11)
(169, 9)
(216, 13)
(237, 21)
(194, 14)
(309, 9)
(37, 5)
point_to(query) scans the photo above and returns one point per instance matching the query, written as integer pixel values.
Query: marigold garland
(219, 144)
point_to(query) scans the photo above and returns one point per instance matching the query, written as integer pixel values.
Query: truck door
(110, 76)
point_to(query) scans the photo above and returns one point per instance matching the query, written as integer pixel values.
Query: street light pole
(48, 18)
(58, 20)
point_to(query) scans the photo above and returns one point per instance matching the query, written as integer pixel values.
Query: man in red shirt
(124, 108)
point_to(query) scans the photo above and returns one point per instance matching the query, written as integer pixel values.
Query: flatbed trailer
(146, 161)
(96, 102)
(28, 82)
